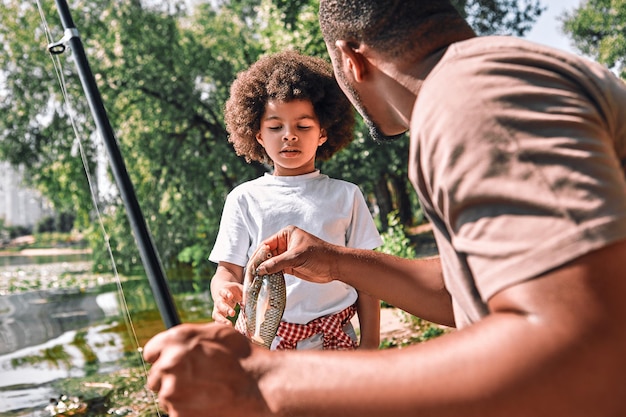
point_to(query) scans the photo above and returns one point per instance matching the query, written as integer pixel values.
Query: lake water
(62, 331)
(17, 260)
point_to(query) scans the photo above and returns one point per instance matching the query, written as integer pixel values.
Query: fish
(262, 305)
(265, 297)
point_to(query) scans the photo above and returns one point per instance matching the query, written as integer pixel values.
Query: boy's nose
(288, 136)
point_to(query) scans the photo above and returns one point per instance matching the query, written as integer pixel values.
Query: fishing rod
(147, 251)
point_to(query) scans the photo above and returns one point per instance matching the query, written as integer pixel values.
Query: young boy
(287, 111)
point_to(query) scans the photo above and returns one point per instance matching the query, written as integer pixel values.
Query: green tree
(34, 126)
(500, 17)
(598, 29)
(164, 73)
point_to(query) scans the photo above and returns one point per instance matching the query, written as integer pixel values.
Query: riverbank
(44, 252)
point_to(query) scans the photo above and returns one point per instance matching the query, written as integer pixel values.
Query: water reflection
(34, 317)
(53, 334)
(61, 357)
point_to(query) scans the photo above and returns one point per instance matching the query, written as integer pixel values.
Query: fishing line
(66, 99)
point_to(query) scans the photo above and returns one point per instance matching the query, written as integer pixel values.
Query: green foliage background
(164, 70)
(598, 30)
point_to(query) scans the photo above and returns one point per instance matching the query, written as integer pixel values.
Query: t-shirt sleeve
(233, 239)
(518, 167)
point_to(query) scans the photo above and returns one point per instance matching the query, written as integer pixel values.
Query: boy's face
(291, 134)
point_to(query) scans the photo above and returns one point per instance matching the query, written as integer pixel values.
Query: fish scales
(269, 309)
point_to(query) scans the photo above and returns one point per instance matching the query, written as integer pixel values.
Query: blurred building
(19, 205)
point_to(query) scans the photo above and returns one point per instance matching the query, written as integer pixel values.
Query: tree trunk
(383, 198)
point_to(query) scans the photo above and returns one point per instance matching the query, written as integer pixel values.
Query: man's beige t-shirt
(517, 155)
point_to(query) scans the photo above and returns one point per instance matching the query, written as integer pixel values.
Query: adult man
(515, 154)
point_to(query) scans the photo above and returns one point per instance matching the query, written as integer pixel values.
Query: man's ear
(352, 60)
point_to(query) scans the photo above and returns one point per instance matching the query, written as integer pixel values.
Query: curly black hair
(287, 76)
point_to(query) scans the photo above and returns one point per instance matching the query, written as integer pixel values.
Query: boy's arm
(226, 291)
(368, 311)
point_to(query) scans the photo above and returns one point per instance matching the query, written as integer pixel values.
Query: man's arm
(415, 286)
(554, 346)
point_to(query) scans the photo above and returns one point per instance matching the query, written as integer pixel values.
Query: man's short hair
(394, 27)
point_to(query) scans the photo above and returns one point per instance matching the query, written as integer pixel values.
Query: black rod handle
(147, 251)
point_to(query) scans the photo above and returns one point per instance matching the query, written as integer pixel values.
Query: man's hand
(197, 371)
(298, 253)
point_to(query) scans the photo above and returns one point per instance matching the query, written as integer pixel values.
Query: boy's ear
(323, 137)
(352, 61)
(259, 138)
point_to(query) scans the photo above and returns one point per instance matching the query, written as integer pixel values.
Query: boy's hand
(225, 301)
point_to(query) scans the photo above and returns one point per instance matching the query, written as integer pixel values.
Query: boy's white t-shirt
(331, 209)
